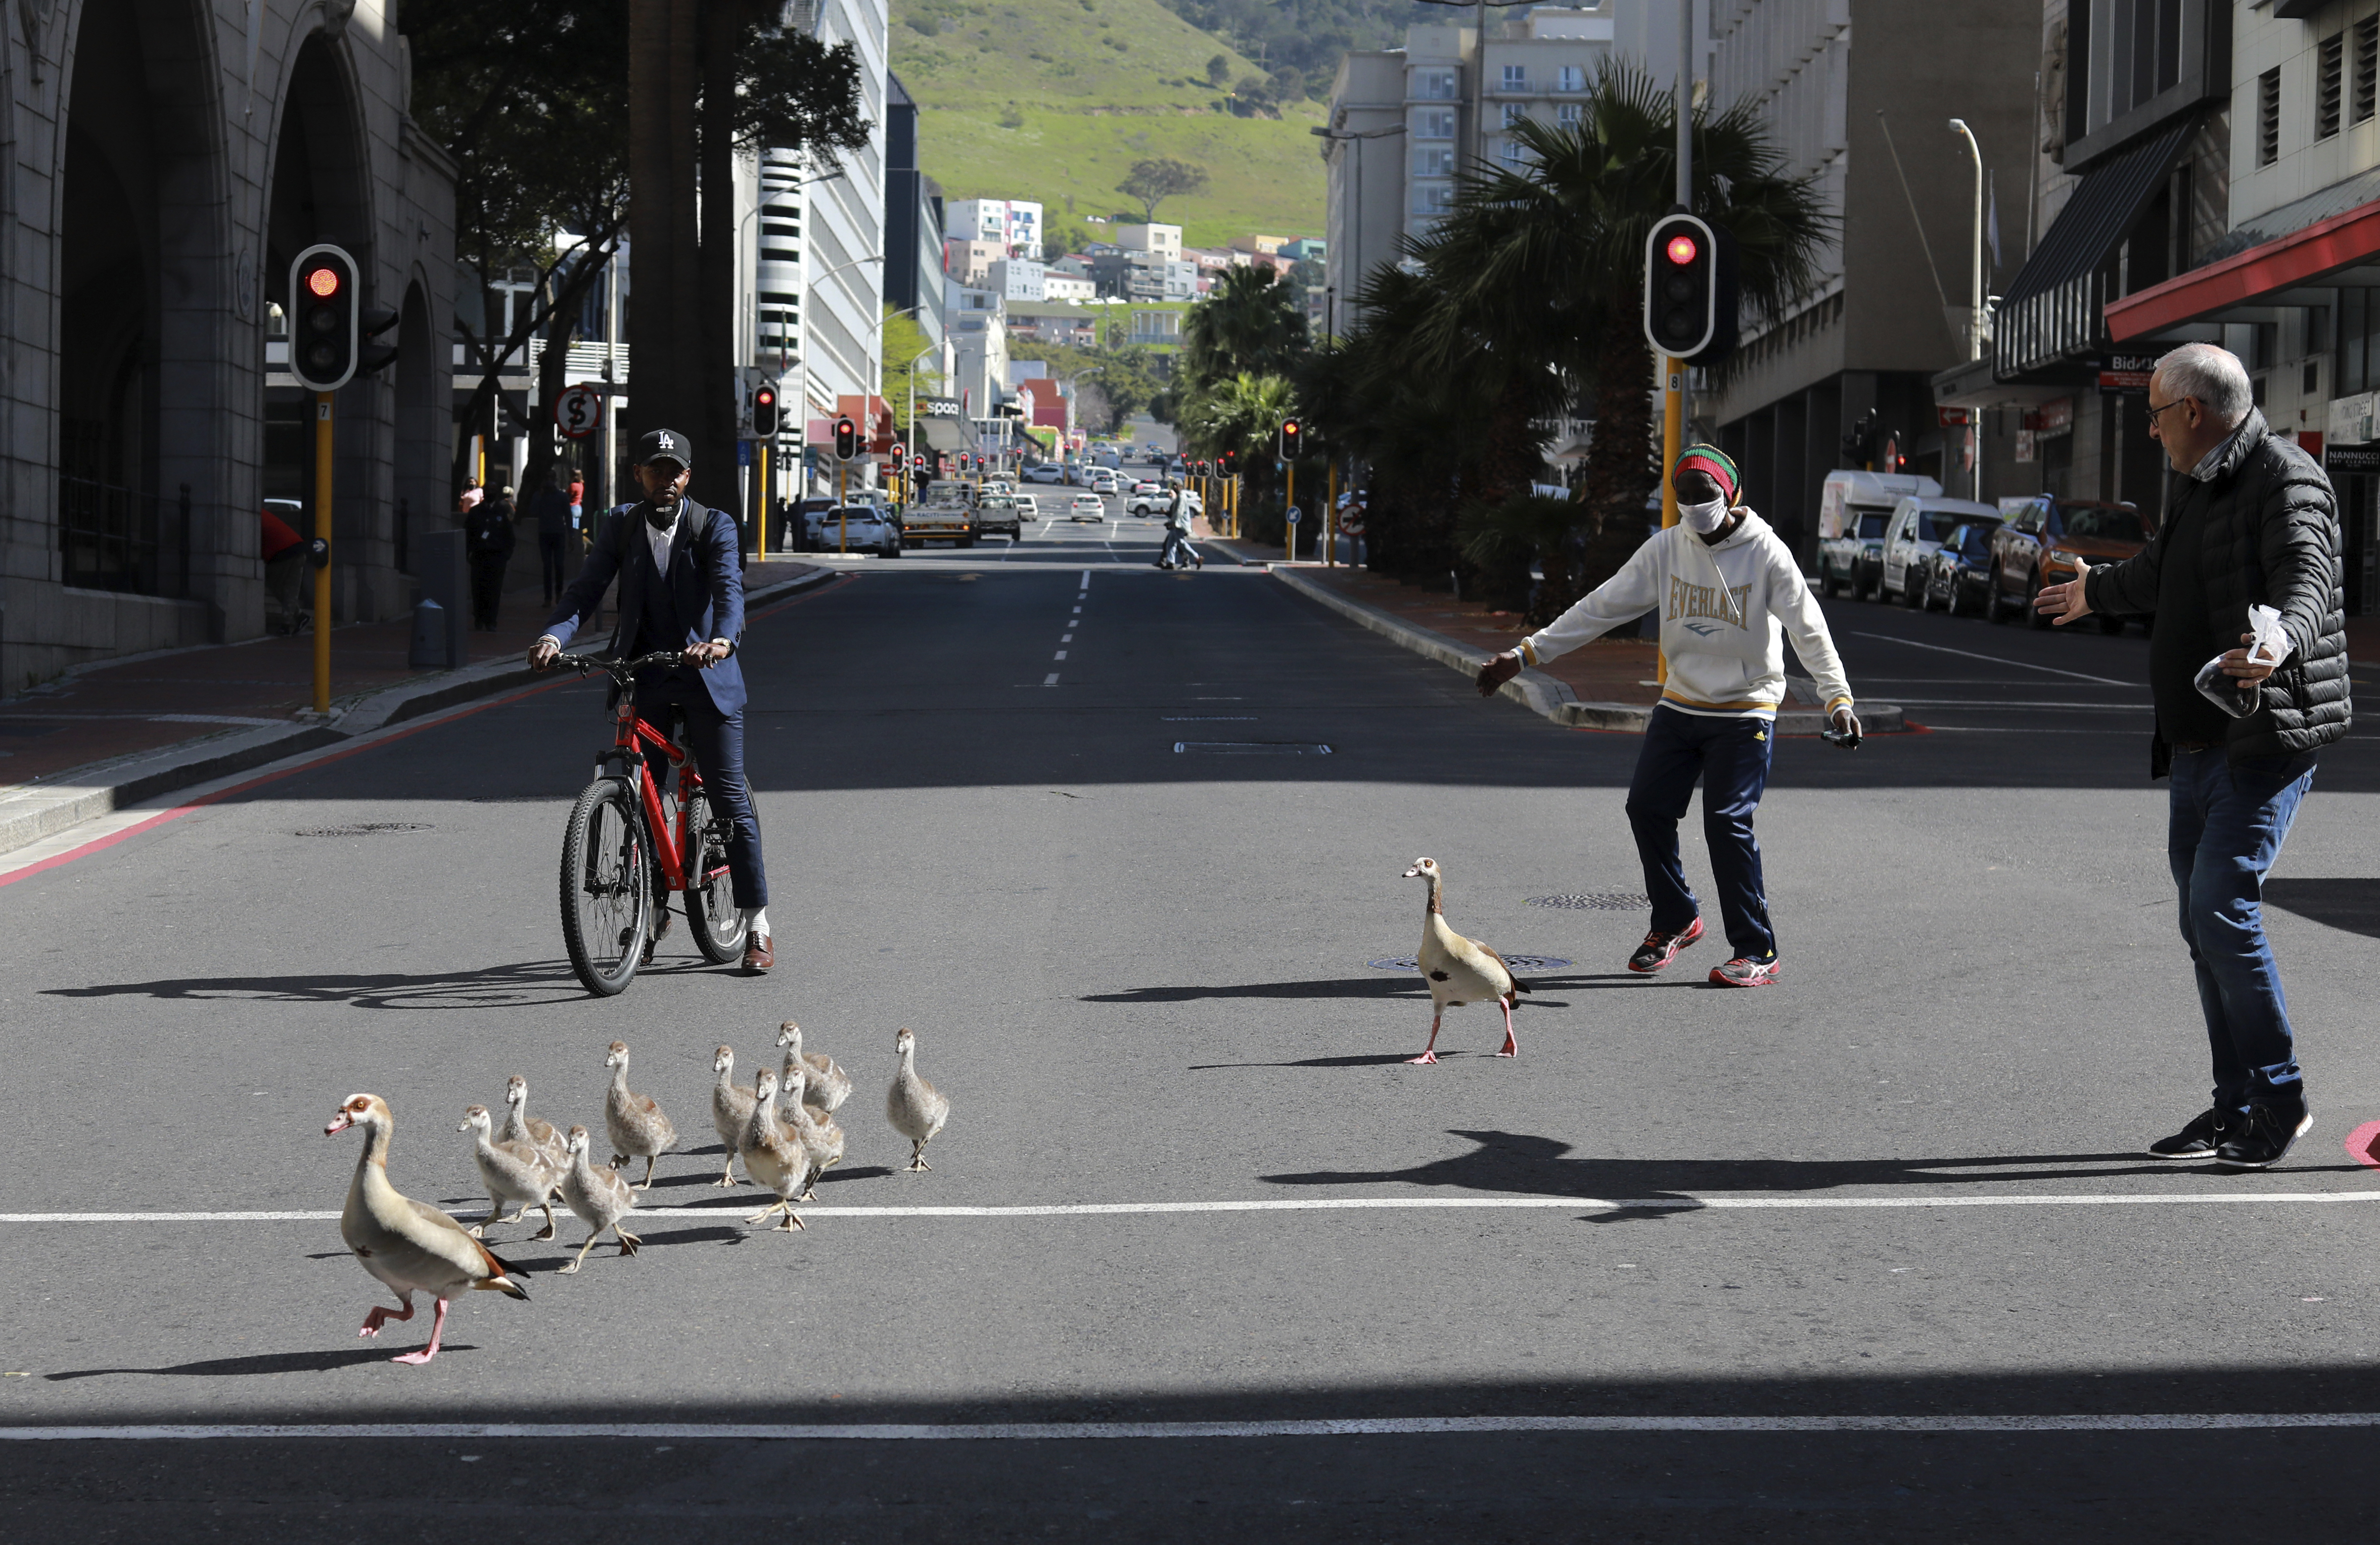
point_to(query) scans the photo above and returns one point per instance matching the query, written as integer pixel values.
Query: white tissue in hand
(2272, 642)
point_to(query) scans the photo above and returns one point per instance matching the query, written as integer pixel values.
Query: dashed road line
(1994, 659)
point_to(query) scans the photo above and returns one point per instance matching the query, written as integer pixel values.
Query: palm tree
(1251, 322)
(1243, 415)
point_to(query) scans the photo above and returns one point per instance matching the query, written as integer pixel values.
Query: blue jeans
(1177, 547)
(1730, 756)
(717, 741)
(2228, 826)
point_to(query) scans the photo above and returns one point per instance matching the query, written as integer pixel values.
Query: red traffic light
(765, 396)
(1681, 249)
(323, 281)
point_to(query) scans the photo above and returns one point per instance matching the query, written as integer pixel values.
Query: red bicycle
(636, 835)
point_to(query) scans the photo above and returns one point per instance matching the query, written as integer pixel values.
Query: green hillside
(1054, 100)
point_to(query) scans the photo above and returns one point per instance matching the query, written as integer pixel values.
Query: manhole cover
(1598, 901)
(367, 829)
(1250, 748)
(1522, 964)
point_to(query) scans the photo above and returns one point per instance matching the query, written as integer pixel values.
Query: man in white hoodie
(1729, 593)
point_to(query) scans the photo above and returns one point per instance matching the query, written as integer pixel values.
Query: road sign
(578, 411)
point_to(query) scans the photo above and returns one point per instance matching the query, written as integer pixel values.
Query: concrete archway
(142, 254)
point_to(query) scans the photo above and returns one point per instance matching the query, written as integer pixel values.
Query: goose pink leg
(437, 1328)
(1512, 1045)
(380, 1317)
(1429, 1052)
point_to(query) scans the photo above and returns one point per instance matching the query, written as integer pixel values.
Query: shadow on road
(518, 986)
(263, 1362)
(1523, 1165)
(2351, 904)
(1383, 984)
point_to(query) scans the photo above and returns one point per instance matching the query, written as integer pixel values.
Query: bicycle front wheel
(606, 887)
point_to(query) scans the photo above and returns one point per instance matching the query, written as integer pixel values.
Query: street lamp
(1975, 301)
(1358, 137)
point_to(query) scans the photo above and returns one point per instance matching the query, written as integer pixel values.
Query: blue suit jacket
(706, 579)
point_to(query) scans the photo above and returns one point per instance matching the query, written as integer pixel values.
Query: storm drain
(1521, 965)
(1598, 901)
(1250, 748)
(367, 829)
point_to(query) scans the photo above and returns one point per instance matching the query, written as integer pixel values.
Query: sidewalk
(123, 730)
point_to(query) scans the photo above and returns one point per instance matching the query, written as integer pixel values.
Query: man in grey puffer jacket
(2252, 522)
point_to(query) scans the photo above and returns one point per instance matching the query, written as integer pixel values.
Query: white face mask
(1703, 520)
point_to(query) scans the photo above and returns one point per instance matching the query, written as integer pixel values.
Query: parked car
(1853, 509)
(997, 515)
(1958, 568)
(856, 528)
(1045, 472)
(1916, 529)
(1088, 507)
(2046, 542)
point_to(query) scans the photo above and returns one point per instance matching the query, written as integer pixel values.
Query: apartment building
(1404, 121)
(1014, 224)
(913, 217)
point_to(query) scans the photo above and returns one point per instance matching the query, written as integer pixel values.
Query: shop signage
(1953, 418)
(2350, 459)
(2126, 372)
(2052, 418)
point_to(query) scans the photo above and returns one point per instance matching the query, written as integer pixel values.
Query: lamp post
(1975, 293)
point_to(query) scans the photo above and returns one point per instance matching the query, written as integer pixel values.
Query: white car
(1103, 480)
(856, 528)
(1149, 499)
(1045, 472)
(1088, 507)
(1027, 507)
(1914, 534)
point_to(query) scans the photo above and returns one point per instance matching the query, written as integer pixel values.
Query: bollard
(429, 647)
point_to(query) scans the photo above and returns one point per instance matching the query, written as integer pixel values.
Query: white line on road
(1994, 659)
(1060, 655)
(1678, 1203)
(1048, 1431)
(1050, 680)
(2015, 702)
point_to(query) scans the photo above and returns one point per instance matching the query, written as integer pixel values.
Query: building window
(2367, 66)
(1433, 163)
(1573, 78)
(1516, 77)
(1568, 114)
(1515, 157)
(1435, 200)
(2330, 56)
(1434, 123)
(1514, 113)
(2269, 117)
(2135, 53)
(1434, 84)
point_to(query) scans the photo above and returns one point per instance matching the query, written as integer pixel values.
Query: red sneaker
(1745, 971)
(1659, 949)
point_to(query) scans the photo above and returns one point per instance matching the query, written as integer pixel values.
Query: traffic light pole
(761, 548)
(842, 510)
(1329, 520)
(323, 530)
(1288, 502)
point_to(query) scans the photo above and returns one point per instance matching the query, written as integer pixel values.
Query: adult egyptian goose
(731, 1110)
(512, 1171)
(637, 1126)
(915, 1108)
(1458, 971)
(409, 1245)
(820, 1136)
(772, 1155)
(828, 1084)
(522, 1127)
(601, 1198)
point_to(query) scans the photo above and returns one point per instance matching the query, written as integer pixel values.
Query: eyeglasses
(2154, 411)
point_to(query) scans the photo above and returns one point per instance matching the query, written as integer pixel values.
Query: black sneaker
(1659, 949)
(2198, 1140)
(2267, 1137)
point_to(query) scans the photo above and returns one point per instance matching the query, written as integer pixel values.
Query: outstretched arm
(1624, 597)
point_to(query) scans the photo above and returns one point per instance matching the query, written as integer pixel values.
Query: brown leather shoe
(759, 953)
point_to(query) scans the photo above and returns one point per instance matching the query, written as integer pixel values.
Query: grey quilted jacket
(2272, 538)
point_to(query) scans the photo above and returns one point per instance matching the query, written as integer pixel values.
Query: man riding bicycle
(681, 573)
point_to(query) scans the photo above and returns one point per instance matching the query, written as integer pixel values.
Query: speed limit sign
(578, 411)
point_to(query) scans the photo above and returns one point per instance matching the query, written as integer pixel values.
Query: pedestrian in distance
(469, 498)
(681, 573)
(2252, 521)
(487, 540)
(551, 509)
(1177, 549)
(1729, 593)
(579, 505)
(284, 552)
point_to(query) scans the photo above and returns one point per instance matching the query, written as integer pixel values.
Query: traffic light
(322, 317)
(1228, 464)
(918, 463)
(1859, 444)
(764, 412)
(1293, 439)
(371, 325)
(846, 439)
(899, 452)
(1681, 286)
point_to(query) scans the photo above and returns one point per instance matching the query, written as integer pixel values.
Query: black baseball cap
(665, 445)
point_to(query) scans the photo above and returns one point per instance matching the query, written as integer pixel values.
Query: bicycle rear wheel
(711, 909)
(606, 887)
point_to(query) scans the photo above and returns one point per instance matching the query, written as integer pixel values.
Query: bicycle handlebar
(620, 668)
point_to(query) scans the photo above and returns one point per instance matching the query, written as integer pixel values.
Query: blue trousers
(1730, 756)
(717, 741)
(2229, 822)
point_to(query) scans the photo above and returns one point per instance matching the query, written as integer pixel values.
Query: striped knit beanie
(1711, 461)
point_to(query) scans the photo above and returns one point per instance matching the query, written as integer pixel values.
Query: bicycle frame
(635, 742)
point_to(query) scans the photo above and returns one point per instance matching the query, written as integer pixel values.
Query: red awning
(2259, 274)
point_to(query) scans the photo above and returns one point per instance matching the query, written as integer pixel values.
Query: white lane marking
(1899, 701)
(1994, 659)
(1050, 680)
(1680, 1203)
(2017, 729)
(1067, 639)
(1060, 655)
(1354, 1427)
(1086, 579)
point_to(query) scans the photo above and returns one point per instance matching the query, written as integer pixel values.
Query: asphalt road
(1866, 1256)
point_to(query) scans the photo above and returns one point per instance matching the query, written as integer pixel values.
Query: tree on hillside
(1219, 69)
(1161, 177)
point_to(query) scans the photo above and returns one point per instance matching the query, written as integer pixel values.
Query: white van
(1853, 509)
(1914, 534)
